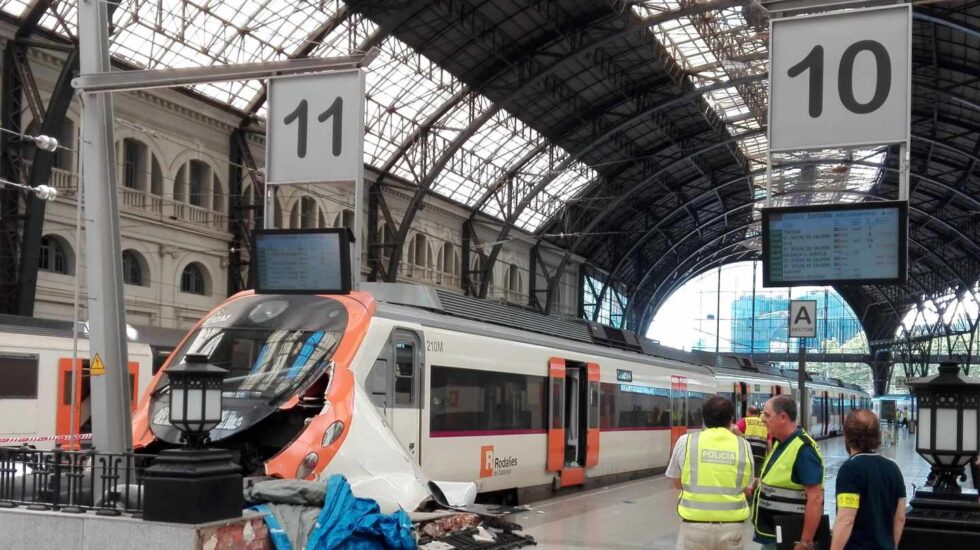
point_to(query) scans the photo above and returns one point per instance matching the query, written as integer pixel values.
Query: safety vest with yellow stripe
(756, 433)
(778, 494)
(717, 468)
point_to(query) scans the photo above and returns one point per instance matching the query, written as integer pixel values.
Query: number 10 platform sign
(315, 128)
(841, 79)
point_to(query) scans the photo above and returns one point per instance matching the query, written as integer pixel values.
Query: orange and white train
(394, 385)
(36, 376)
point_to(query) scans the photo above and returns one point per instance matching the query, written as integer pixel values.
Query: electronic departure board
(865, 243)
(302, 261)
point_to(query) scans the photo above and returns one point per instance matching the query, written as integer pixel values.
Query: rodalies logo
(491, 466)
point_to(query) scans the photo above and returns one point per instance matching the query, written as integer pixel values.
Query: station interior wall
(163, 139)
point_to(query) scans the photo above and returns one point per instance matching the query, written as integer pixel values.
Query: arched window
(447, 265)
(419, 257)
(307, 213)
(64, 157)
(294, 217)
(345, 219)
(514, 284)
(192, 280)
(133, 268)
(277, 214)
(54, 257)
(156, 177)
(198, 183)
(134, 165)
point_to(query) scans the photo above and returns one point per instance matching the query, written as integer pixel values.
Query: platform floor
(641, 514)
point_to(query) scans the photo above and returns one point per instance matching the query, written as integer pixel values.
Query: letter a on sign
(802, 318)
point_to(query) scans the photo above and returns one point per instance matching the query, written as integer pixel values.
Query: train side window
(404, 373)
(86, 388)
(557, 398)
(593, 405)
(377, 378)
(19, 380)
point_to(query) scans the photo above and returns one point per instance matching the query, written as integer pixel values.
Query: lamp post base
(192, 486)
(942, 519)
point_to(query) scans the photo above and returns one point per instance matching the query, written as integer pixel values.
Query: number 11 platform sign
(315, 131)
(840, 79)
(315, 134)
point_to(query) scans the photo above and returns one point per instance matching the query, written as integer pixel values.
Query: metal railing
(72, 481)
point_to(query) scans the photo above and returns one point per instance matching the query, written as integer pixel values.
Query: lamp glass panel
(176, 405)
(213, 404)
(925, 428)
(946, 437)
(970, 431)
(195, 402)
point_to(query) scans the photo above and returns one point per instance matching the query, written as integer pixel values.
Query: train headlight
(333, 433)
(162, 418)
(307, 466)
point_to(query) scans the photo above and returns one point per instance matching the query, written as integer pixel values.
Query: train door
(840, 413)
(826, 408)
(678, 408)
(573, 428)
(83, 409)
(395, 387)
(741, 399)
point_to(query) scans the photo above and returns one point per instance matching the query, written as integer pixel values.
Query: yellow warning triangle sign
(98, 367)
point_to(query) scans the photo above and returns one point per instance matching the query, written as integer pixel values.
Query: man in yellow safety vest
(792, 477)
(713, 470)
(756, 433)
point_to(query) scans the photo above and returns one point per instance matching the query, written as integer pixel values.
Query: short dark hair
(753, 410)
(717, 412)
(862, 431)
(784, 404)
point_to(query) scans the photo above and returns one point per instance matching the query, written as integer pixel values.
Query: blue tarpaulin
(348, 523)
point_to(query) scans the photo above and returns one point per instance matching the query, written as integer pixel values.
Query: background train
(405, 382)
(36, 368)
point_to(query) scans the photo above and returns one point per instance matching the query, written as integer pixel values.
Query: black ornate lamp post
(195, 398)
(948, 434)
(194, 484)
(948, 437)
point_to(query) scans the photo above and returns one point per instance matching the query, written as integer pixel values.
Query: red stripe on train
(469, 433)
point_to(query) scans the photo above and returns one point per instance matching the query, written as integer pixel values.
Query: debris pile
(465, 531)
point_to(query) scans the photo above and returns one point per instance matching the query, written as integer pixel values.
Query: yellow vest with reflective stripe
(716, 469)
(755, 429)
(778, 494)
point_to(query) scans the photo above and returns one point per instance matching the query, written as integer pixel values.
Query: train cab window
(404, 373)
(19, 380)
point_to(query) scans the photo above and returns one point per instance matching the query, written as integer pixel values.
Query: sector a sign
(803, 318)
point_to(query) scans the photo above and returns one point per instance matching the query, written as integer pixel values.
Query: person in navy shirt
(870, 490)
(779, 415)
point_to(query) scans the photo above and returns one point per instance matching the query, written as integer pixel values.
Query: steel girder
(18, 86)
(538, 76)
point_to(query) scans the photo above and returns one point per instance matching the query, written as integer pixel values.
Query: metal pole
(268, 207)
(768, 178)
(718, 319)
(355, 264)
(111, 428)
(752, 325)
(801, 381)
(903, 171)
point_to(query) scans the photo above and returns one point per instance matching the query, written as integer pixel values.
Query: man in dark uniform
(792, 477)
(870, 490)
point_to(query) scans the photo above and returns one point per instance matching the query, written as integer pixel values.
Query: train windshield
(270, 345)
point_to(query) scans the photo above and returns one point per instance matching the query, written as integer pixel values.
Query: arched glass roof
(630, 133)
